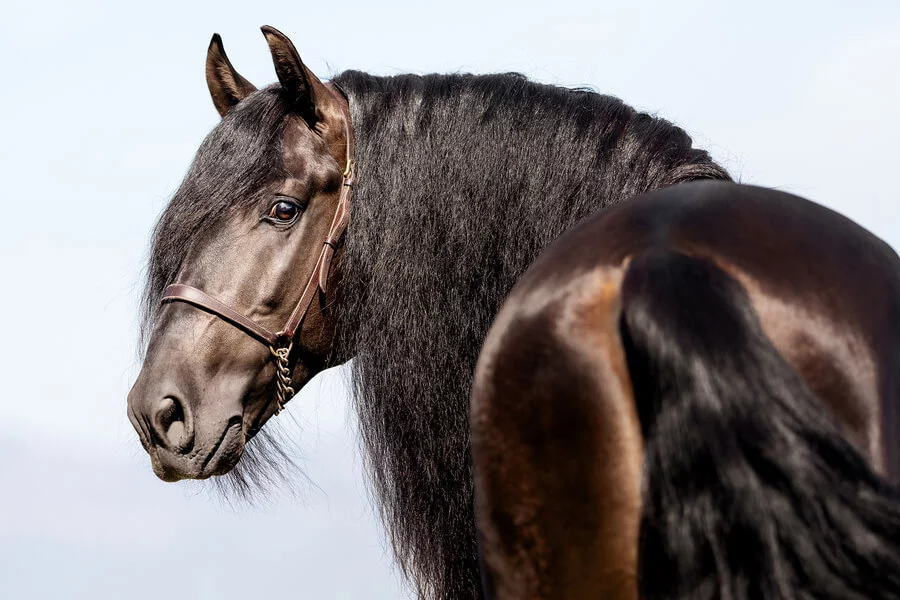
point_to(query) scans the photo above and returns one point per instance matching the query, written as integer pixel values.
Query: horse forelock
(233, 163)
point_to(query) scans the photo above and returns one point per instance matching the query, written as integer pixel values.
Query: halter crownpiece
(280, 343)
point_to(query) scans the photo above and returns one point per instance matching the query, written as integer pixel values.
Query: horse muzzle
(187, 440)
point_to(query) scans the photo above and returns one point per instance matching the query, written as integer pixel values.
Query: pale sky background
(103, 107)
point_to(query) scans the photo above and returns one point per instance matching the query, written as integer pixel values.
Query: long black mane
(461, 181)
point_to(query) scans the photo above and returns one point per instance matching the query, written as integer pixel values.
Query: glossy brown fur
(557, 445)
(590, 444)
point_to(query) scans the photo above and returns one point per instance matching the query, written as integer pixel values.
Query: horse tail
(749, 490)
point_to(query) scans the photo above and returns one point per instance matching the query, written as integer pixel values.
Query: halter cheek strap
(281, 342)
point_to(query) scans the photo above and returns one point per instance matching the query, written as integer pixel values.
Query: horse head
(237, 315)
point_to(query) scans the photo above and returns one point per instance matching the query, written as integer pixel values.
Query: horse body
(461, 182)
(662, 406)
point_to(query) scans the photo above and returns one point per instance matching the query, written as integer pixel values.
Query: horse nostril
(171, 425)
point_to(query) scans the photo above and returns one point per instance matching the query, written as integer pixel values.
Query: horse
(694, 395)
(382, 219)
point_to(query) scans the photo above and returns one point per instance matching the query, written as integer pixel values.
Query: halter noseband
(281, 342)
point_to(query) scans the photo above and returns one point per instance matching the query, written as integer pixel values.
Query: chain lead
(283, 389)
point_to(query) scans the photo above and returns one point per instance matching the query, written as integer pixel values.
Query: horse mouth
(221, 458)
(226, 453)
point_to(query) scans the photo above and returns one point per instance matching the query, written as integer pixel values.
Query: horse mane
(462, 180)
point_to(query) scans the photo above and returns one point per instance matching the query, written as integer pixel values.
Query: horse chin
(219, 460)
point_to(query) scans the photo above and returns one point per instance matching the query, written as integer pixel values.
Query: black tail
(749, 490)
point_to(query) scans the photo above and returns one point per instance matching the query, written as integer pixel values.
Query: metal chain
(283, 389)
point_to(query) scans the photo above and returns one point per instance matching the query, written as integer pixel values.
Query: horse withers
(694, 394)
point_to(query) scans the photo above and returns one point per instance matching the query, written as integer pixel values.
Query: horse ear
(226, 86)
(302, 87)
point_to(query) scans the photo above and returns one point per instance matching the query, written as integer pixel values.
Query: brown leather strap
(338, 226)
(318, 279)
(200, 299)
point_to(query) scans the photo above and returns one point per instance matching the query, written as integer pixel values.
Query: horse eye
(283, 211)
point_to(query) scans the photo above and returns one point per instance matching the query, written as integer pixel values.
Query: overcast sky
(103, 107)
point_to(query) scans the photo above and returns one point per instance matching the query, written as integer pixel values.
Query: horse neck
(461, 182)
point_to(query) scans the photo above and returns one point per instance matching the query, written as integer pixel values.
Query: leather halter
(280, 342)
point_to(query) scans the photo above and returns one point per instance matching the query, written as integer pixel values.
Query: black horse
(461, 181)
(682, 399)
